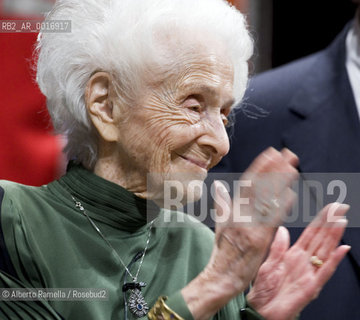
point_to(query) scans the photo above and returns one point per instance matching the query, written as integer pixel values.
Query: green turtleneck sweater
(46, 242)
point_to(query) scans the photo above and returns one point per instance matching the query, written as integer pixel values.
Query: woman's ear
(100, 107)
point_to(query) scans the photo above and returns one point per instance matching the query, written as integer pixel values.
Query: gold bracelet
(160, 311)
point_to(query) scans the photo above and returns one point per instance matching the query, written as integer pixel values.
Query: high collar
(103, 200)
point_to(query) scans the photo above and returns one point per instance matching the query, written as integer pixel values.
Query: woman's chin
(176, 189)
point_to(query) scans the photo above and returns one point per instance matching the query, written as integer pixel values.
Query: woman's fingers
(290, 157)
(287, 201)
(329, 233)
(222, 203)
(331, 241)
(272, 211)
(273, 161)
(328, 268)
(266, 184)
(319, 227)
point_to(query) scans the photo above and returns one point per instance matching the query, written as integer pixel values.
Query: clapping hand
(291, 277)
(240, 248)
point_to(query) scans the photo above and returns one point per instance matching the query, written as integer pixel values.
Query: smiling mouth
(199, 163)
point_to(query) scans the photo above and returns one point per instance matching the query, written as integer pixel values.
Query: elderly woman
(142, 90)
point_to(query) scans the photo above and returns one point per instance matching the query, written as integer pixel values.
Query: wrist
(271, 311)
(208, 293)
(162, 311)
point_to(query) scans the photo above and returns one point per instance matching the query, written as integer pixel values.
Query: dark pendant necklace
(136, 301)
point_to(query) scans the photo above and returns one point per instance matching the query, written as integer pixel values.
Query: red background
(30, 153)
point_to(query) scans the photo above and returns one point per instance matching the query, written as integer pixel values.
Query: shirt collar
(105, 201)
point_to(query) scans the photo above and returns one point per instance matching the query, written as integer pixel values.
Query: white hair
(118, 36)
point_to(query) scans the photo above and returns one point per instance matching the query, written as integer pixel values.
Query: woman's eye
(194, 103)
(196, 108)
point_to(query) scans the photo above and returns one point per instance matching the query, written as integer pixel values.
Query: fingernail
(341, 222)
(341, 206)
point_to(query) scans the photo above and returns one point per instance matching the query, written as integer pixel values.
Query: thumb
(222, 204)
(279, 245)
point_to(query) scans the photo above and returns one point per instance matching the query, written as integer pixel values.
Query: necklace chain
(79, 205)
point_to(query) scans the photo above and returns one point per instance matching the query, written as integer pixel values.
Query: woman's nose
(215, 136)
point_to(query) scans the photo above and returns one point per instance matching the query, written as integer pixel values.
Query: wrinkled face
(177, 131)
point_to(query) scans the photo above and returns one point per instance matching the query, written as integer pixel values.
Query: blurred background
(283, 30)
(29, 152)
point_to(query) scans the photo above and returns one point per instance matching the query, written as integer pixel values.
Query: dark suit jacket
(312, 112)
